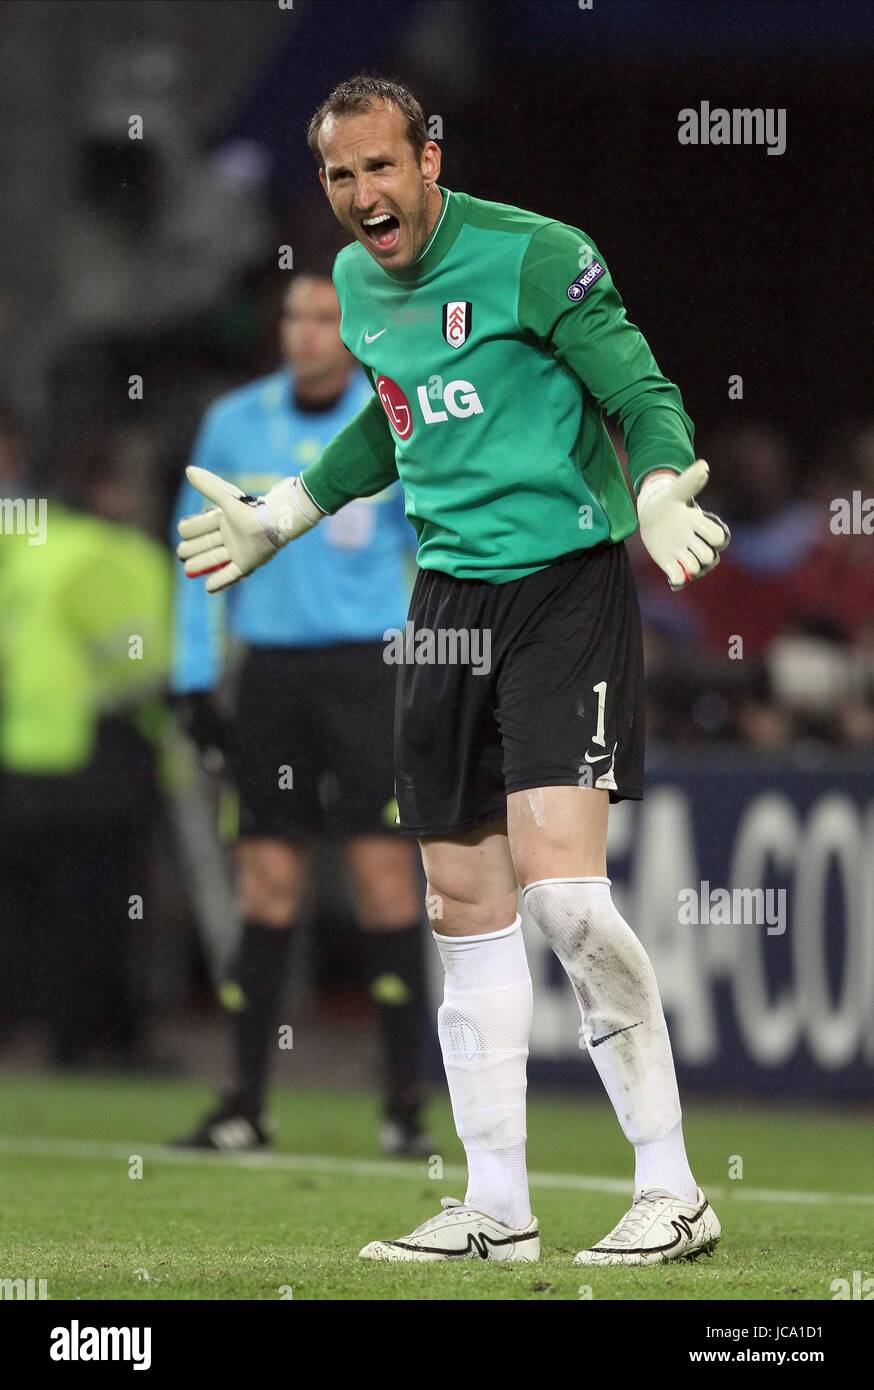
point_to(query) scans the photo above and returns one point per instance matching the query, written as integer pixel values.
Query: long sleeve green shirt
(494, 358)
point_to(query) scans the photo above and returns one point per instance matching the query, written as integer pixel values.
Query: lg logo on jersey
(458, 398)
(396, 406)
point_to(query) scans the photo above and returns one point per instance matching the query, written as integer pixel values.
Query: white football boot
(459, 1233)
(658, 1227)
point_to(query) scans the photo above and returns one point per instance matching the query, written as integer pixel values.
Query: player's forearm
(358, 462)
(630, 388)
(658, 434)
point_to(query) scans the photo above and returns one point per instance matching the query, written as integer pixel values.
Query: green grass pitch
(289, 1224)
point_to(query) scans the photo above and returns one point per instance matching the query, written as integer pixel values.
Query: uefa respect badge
(578, 288)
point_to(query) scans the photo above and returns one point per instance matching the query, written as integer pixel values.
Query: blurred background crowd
(144, 278)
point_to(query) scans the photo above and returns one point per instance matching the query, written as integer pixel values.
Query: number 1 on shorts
(601, 691)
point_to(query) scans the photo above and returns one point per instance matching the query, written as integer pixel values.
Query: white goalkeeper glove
(684, 541)
(240, 533)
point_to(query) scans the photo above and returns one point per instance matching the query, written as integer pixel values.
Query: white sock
(663, 1163)
(483, 1026)
(623, 1025)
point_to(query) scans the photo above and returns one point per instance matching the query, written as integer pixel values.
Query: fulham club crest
(456, 321)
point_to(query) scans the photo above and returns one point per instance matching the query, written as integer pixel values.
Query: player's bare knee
(557, 832)
(385, 891)
(471, 884)
(271, 904)
(269, 881)
(451, 915)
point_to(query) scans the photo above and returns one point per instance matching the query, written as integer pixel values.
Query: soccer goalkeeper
(494, 340)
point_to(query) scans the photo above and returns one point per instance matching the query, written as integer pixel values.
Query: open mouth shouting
(382, 230)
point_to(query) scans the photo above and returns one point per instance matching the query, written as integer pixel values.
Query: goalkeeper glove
(240, 533)
(684, 541)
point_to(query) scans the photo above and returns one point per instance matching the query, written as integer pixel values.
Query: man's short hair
(361, 93)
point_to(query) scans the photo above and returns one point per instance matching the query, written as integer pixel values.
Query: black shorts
(552, 693)
(313, 741)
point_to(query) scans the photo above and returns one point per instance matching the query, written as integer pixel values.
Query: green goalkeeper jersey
(493, 358)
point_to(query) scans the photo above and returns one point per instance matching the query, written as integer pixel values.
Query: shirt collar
(443, 234)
